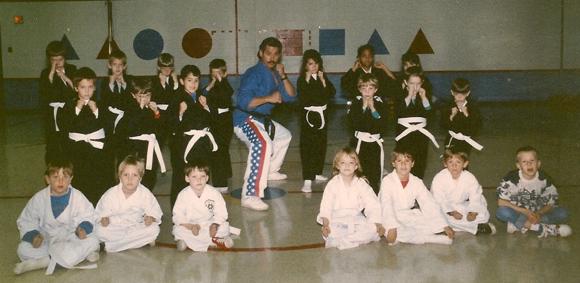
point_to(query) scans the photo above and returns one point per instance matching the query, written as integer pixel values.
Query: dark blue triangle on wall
(71, 54)
(377, 42)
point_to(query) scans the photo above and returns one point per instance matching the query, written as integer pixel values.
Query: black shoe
(486, 228)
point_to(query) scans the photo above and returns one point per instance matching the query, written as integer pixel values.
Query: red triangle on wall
(420, 44)
(104, 53)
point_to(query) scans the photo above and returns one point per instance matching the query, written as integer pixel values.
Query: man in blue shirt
(262, 87)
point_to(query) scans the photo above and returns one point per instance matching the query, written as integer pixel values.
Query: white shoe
(222, 243)
(277, 176)
(31, 264)
(223, 190)
(511, 228)
(254, 203)
(93, 257)
(320, 178)
(181, 246)
(555, 230)
(307, 187)
(493, 229)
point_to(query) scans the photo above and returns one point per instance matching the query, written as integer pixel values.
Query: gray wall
(465, 35)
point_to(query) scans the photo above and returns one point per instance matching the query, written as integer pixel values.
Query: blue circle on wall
(148, 44)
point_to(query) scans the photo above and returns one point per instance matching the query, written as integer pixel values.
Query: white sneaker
(93, 257)
(223, 190)
(493, 229)
(181, 246)
(254, 203)
(307, 187)
(511, 228)
(555, 230)
(31, 264)
(277, 176)
(321, 178)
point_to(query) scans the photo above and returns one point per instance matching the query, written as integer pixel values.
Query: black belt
(268, 124)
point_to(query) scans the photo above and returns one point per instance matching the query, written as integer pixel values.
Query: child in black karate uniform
(139, 131)
(314, 93)
(413, 107)
(189, 122)
(219, 98)
(83, 124)
(461, 118)
(367, 118)
(164, 87)
(55, 88)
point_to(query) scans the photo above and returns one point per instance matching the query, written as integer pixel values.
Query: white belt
(467, 139)
(55, 106)
(223, 110)
(163, 106)
(195, 136)
(367, 137)
(120, 113)
(319, 110)
(415, 124)
(90, 138)
(153, 148)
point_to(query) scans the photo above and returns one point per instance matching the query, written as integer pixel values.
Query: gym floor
(284, 243)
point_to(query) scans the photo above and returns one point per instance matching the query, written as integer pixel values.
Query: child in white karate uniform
(403, 221)
(350, 212)
(56, 225)
(200, 214)
(128, 214)
(460, 195)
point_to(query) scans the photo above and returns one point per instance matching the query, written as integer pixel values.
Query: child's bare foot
(181, 246)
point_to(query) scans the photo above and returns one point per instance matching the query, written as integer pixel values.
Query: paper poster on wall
(105, 52)
(377, 42)
(148, 44)
(331, 41)
(420, 44)
(70, 54)
(196, 43)
(291, 41)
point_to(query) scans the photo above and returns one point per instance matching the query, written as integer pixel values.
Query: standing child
(365, 64)
(56, 225)
(528, 200)
(200, 214)
(460, 196)
(83, 123)
(115, 97)
(403, 221)
(350, 212)
(367, 117)
(219, 98)
(128, 214)
(56, 88)
(189, 121)
(314, 93)
(413, 107)
(461, 118)
(164, 87)
(140, 131)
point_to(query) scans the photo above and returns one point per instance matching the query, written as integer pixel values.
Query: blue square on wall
(331, 41)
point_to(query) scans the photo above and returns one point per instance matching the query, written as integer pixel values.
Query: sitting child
(200, 214)
(528, 200)
(56, 225)
(128, 213)
(346, 196)
(403, 221)
(460, 196)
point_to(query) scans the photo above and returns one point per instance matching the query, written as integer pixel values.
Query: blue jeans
(557, 215)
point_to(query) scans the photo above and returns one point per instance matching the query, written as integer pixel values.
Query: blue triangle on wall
(377, 42)
(70, 54)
